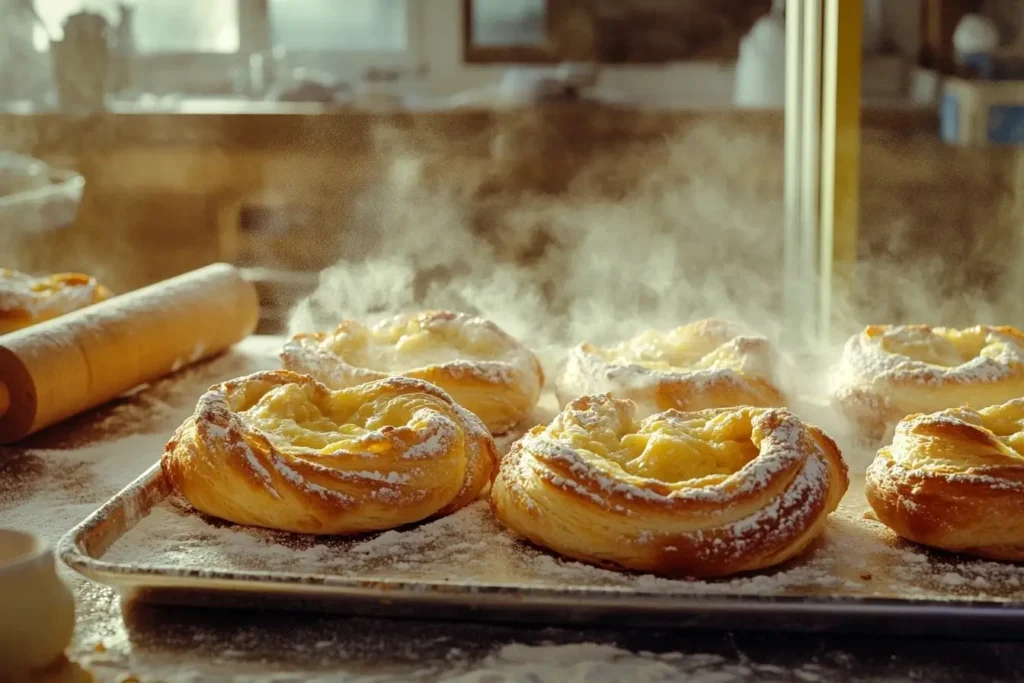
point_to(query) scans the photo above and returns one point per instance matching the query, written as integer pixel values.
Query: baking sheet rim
(71, 550)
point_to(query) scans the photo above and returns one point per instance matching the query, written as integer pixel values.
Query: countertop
(57, 478)
(270, 125)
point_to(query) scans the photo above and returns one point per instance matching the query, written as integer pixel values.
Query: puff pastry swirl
(478, 364)
(706, 493)
(280, 450)
(890, 371)
(705, 364)
(954, 480)
(26, 300)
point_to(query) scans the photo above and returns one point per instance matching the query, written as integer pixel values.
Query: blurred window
(351, 25)
(224, 26)
(502, 23)
(160, 26)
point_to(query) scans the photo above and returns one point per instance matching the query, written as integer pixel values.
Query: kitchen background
(290, 135)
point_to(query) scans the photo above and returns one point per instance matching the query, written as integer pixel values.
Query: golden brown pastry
(481, 367)
(954, 480)
(705, 364)
(890, 371)
(706, 493)
(27, 300)
(280, 450)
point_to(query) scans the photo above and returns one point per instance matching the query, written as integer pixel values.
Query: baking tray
(858, 576)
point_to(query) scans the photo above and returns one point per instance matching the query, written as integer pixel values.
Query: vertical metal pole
(810, 164)
(840, 156)
(792, 188)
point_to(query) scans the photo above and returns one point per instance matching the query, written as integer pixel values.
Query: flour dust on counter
(369, 651)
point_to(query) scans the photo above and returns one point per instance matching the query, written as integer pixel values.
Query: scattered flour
(856, 557)
(598, 663)
(582, 662)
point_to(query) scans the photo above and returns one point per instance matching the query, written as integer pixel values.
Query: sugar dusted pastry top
(481, 366)
(954, 480)
(704, 493)
(936, 356)
(890, 371)
(280, 450)
(26, 300)
(705, 364)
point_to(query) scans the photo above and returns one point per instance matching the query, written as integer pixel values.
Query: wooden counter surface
(61, 475)
(351, 130)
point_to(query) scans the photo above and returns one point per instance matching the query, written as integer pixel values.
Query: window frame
(185, 69)
(409, 59)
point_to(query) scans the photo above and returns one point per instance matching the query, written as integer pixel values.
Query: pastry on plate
(282, 451)
(954, 480)
(26, 300)
(479, 365)
(705, 364)
(706, 493)
(890, 371)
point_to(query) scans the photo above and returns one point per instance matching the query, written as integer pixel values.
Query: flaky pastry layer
(954, 480)
(479, 365)
(26, 300)
(890, 371)
(706, 493)
(282, 451)
(705, 364)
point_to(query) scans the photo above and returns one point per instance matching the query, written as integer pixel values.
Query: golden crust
(954, 480)
(280, 450)
(705, 364)
(479, 365)
(890, 371)
(27, 300)
(707, 493)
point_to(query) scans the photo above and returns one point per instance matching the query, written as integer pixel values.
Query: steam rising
(676, 243)
(647, 235)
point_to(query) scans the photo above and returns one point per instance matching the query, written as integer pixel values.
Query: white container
(761, 66)
(976, 34)
(37, 612)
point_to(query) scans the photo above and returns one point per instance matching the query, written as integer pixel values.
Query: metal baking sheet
(858, 577)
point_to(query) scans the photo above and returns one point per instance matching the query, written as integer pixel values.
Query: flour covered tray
(151, 546)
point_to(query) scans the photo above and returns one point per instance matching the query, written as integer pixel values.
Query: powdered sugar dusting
(304, 483)
(463, 346)
(865, 359)
(443, 435)
(221, 435)
(799, 501)
(790, 474)
(229, 416)
(905, 461)
(779, 451)
(712, 355)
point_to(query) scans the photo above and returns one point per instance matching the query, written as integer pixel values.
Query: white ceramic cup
(37, 611)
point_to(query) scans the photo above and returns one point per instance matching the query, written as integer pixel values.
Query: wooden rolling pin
(61, 367)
